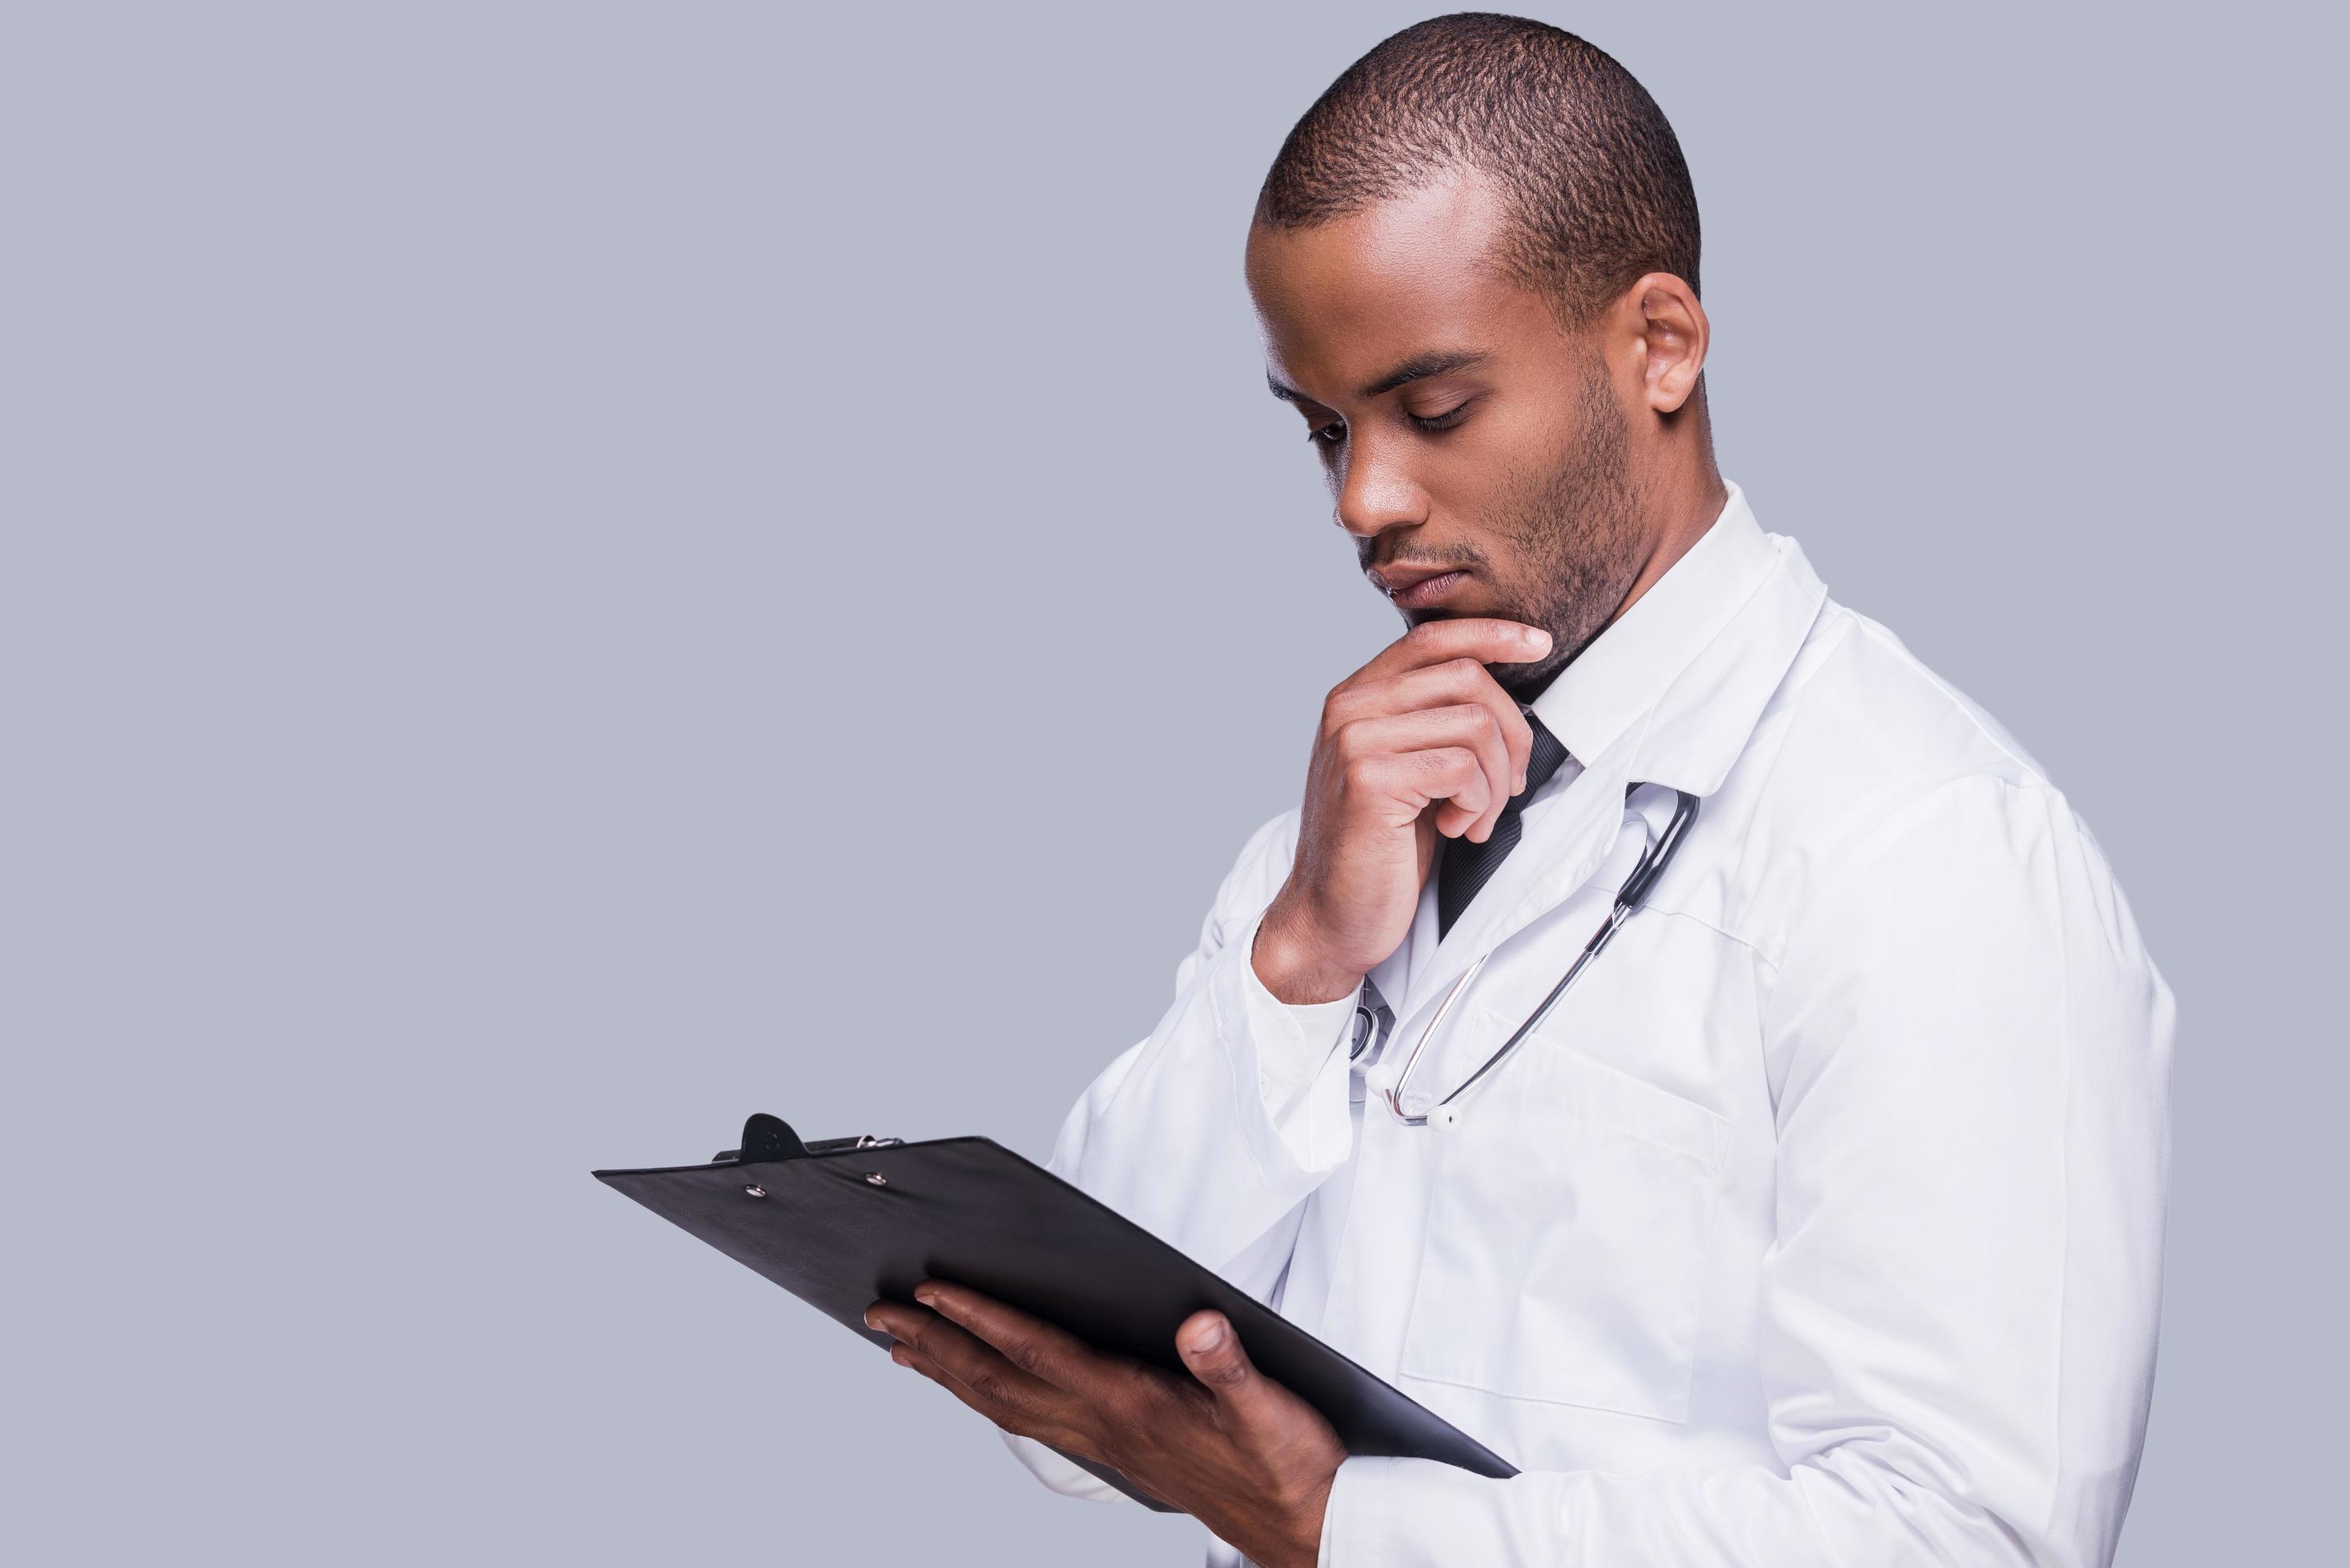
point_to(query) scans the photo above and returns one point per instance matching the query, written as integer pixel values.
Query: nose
(1376, 491)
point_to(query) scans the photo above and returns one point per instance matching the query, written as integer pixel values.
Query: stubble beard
(1574, 531)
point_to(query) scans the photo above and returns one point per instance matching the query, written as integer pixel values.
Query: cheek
(1474, 473)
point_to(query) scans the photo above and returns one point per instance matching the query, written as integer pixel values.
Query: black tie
(1463, 867)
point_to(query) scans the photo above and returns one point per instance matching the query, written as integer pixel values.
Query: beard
(1571, 528)
(1575, 532)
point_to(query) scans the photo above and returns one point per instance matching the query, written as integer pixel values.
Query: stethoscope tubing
(1629, 897)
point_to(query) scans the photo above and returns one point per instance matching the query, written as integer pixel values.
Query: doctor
(1819, 1219)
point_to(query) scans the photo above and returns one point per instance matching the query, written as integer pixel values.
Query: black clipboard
(843, 1222)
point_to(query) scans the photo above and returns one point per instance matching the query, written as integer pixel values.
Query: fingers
(1408, 783)
(1016, 1400)
(1470, 809)
(1483, 638)
(980, 1400)
(1036, 1347)
(1430, 687)
(1213, 1354)
(1466, 680)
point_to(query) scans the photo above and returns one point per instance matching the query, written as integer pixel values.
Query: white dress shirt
(1821, 1221)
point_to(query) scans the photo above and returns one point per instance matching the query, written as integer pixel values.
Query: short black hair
(1596, 188)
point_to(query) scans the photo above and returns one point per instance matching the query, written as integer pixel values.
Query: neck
(1675, 515)
(1683, 494)
(1679, 519)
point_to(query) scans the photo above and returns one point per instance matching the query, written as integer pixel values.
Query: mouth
(1417, 587)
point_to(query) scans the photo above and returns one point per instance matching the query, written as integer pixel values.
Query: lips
(1417, 587)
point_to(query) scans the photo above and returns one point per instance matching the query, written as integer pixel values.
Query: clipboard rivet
(876, 1179)
(756, 1192)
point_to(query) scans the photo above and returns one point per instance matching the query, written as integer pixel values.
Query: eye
(1328, 437)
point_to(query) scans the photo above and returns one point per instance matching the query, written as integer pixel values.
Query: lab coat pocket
(1565, 1259)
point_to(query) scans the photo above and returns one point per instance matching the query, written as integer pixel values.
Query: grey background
(574, 571)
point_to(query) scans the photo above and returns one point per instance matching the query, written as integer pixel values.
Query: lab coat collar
(1620, 675)
(1669, 693)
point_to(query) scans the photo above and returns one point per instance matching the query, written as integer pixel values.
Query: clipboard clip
(768, 1138)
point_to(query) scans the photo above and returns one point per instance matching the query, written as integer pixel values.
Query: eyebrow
(1419, 367)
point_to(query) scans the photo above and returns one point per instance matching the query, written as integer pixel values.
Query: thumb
(1212, 1352)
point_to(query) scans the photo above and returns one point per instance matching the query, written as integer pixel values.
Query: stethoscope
(1654, 858)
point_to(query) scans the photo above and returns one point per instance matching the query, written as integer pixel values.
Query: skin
(1574, 465)
(1247, 1458)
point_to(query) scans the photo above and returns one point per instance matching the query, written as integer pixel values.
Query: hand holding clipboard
(846, 1224)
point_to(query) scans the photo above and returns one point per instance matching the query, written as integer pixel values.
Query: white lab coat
(1821, 1221)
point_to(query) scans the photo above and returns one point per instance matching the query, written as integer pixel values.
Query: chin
(1457, 607)
(1522, 684)
(1452, 609)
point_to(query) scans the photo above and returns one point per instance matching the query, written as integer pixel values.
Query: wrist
(1293, 968)
(1311, 1521)
(1287, 1536)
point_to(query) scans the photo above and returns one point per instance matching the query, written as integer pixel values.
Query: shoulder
(1859, 707)
(1863, 744)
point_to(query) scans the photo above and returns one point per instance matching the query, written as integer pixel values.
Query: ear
(1673, 336)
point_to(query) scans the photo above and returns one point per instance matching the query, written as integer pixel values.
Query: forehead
(1344, 299)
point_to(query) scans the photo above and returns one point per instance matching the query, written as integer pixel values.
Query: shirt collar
(1622, 680)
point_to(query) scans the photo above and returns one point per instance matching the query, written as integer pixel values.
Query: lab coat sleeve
(1968, 1050)
(1212, 1132)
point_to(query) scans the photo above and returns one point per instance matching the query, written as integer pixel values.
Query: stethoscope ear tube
(1652, 865)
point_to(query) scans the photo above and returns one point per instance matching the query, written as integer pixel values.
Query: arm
(1212, 1132)
(1969, 1051)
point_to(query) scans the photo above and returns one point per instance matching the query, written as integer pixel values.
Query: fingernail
(871, 1322)
(1208, 1339)
(1539, 638)
(1521, 785)
(928, 1298)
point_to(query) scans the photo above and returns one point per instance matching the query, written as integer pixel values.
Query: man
(1819, 1220)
